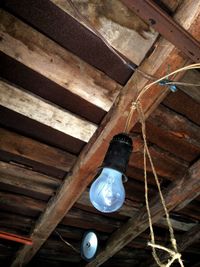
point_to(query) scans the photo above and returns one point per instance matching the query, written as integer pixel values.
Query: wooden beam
(81, 175)
(27, 148)
(191, 77)
(41, 111)
(177, 192)
(20, 204)
(28, 46)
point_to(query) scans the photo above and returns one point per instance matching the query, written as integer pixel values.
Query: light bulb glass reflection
(107, 192)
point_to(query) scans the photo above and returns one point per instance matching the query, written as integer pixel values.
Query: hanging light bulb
(107, 192)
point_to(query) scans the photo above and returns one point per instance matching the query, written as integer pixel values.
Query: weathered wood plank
(173, 132)
(36, 130)
(115, 22)
(167, 166)
(86, 220)
(191, 77)
(21, 186)
(184, 105)
(21, 204)
(29, 183)
(15, 223)
(90, 158)
(177, 192)
(30, 176)
(176, 125)
(170, 142)
(33, 150)
(41, 54)
(17, 73)
(41, 111)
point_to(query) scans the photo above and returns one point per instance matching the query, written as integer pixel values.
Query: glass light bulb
(107, 192)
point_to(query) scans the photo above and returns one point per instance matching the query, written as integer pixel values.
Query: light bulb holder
(118, 153)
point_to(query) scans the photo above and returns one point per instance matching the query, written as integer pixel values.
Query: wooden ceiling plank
(43, 55)
(192, 91)
(27, 148)
(27, 188)
(22, 205)
(175, 144)
(176, 125)
(177, 192)
(184, 105)
(48, 114)
(129, 210)
(81, 175)
(21, 172)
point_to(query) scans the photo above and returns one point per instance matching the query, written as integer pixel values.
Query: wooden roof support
(82, 173)
(177, 192)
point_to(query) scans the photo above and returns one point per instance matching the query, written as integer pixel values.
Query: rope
(158, 81)
(189, 67)
(136, 105)
(174, 254)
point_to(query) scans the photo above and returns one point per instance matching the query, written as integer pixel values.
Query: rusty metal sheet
(166, 26)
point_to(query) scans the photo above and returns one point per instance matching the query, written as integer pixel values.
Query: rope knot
(134, 105)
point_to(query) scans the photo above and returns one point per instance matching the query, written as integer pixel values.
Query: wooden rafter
(82, 173)
(177, 192)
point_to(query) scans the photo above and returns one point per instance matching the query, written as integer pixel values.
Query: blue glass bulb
(107, 192)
